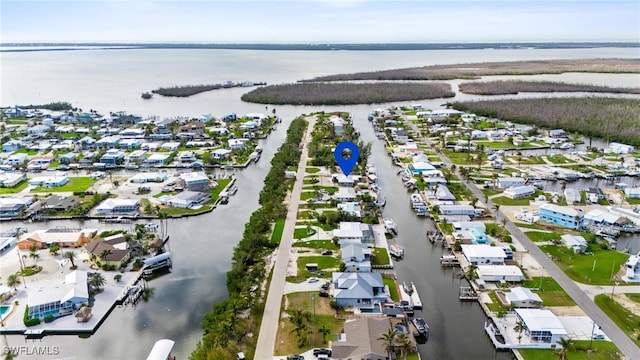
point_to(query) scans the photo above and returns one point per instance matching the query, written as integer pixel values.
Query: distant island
(188, 90)
(476, 70)
(13, 47)
(512, 87)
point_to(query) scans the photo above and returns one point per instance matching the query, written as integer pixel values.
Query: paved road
(622, 341)
(271, 316)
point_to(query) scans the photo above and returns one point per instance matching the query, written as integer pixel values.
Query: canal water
(202, 246)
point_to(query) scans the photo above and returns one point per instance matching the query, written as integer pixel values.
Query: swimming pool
(4, 309)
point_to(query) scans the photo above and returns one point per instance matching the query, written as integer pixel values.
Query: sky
(319, 21)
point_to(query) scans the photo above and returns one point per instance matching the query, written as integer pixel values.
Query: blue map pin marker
(346, 165)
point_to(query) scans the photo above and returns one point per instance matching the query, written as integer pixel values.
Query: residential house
(11, 146)
(12, 206)
(59, 203)
(157, 159)
(600, 217)
(121, 118)
(186, 157)
(357, 257)
(112, 250)
(594, 194)
(146, 177)
(119, 206)
(108, 142)
(420, 167)
(519, 192)
(338, 125)
(453, 210)
(11, 179)
(351, 208)
(63, 237)
(38, 130)
(521, 297)
(360, 339)
(484, 254)
(236, 144)
(130, 144)
(196, 181)
(507, 182)
(345, 194)
(632, 192)
(137, 156)
(572, 195)
(56, 180)
(113, 157)
(541, 325)
(354, 232)
(59, 299)
(17, 159)
(577, 243)
(87, 143)
(193, 129)
(67, 158)
(557, 133)
(498, 273)
(259, 117)
(441, 195)
(478, 236)
(185, 199)
(401, 136)
(468, 225)
(170, 146)
(358, 290)
(221, 153)
(132, 133)
(560, 215)
(344, 180)
(42, 161)
(618, 148)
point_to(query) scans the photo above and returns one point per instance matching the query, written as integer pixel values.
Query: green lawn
(325, 227)
(316, 244)
(312, 170)
(330, 189)
(215, 191)
(532, 160)
(633, 201)
(625, 319)
(75, 184)
(16, 189)
(601, 350)
(278, 228)
(459, 158)
(490, 192)
(324, 263)
(537, 236)
(26, 151)
(393, 288)
(380, 256)
(495, 306)
(579, 266)
(306, 195)
(527, 226)
(634, 297)
(301, 233)
(559, 159)
(549, 291)
(503, 200)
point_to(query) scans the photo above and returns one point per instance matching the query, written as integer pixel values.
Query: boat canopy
(161, 350)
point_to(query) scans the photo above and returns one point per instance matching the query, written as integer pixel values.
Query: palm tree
(34, 255)
(325, 331)
(565, 343)
(519, 328)
(54, 248)
(496, 209)
(97, 281)
(297, 318)
(472, 272)
(473, 201)
(404, 344)
(71, 256)
(388, 339)
(563, 187)
(105, 254)
(13, 281)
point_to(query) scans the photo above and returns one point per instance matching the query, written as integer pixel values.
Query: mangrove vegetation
(512, 87)
(476, 70)
(611, 119)
(346, 93)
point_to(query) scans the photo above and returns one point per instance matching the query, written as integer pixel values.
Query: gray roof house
(357, 257)
(358, 290)
(360, 339)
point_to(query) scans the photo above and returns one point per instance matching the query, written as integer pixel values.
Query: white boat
(162, 350)
(396, 251)
(390, 226)
(415, 298)
(421, 326)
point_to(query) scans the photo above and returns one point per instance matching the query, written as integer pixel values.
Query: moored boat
(396, 251)
(162, 350)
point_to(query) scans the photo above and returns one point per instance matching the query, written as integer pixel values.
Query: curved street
(582, 299)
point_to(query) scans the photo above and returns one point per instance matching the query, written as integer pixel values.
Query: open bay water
(202, 247)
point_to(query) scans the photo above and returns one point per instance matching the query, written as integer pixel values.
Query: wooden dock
(467, 293)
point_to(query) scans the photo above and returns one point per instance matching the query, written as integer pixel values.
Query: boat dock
(449, 260)
(415, 298)
(468, 293)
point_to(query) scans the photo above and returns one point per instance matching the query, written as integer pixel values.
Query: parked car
(317, 352)
(327, 252)
(313, 279)
(324, 293)
(325, 286)
(295, 357)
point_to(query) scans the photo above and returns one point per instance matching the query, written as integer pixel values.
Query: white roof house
(345, 194)
(468, 225)
(519, 192)
(523, 297)
(541, 325)
(484, 254)
(492, 273)
(618, 148)
(236, 144)
(145, 177)
(599, 216)
(575, 242)
(62, 297)
(632, 192)
(118, 206)
(507, 182)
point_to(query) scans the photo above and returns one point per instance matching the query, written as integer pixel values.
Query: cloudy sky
(346, 21)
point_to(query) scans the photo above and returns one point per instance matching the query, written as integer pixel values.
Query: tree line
(512, 87)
